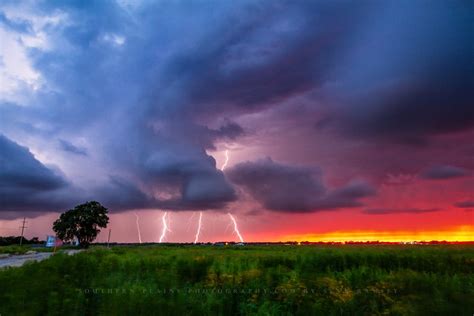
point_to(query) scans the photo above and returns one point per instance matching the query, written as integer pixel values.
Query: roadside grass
(21, 250)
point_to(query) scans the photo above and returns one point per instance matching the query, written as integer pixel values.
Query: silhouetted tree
(82, 222)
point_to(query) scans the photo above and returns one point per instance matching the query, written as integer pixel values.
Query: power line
(108, 239)
(22, 229)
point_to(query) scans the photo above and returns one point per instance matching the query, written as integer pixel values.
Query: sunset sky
(341, 120)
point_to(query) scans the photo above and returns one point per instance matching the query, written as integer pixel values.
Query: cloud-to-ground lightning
(236, 228)
(226, 160)
(234, 222)
(164, 227)
(138, 228)
(198, 231)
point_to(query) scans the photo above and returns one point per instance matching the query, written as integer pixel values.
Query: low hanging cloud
(443, 172)
(386, 211)
(29, 186)
(287, 188)
(26, 183)
(188, 175)
(19, 169)
(465, 204)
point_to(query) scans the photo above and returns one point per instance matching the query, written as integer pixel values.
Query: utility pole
(22, 229)
(108, 239)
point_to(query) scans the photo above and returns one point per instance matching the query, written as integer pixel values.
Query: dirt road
(19, 260)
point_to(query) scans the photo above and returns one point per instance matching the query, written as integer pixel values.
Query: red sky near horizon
(342, 226)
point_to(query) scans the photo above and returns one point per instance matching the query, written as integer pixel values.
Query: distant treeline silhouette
(15, 240)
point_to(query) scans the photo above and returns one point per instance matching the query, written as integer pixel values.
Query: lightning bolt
(164, 227)
(234, 222)
(226, 160)
(198, 232)
(236, 228)
(138, 228)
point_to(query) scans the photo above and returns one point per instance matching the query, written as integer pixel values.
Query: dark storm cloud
(443, 172)
(196, 193)
(465, 204)
(229, 130)
(192, 136)
(69, 147)
(348, 195)
(25, 183)
(264, 54)
(409, 75)
(385, 211)
(121, 194)
(21, 170)
(287, 188)
(279, 187)
(193, 173)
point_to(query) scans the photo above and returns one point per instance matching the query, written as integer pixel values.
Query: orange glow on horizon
(460, 233)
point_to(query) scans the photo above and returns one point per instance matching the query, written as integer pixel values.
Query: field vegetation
(245, 280)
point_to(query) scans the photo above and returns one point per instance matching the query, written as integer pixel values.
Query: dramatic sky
(341, 119)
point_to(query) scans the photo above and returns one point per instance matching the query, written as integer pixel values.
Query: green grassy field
(248, 280)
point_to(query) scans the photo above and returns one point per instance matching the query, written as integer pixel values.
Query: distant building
(53, 241)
